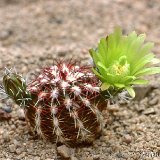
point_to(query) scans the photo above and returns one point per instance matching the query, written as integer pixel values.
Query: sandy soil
(33, 33)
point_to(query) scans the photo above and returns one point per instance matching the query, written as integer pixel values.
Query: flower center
(120, 67)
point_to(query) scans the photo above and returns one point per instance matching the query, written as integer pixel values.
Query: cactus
(61, 104)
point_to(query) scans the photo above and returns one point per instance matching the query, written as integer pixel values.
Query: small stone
(21, 114)
(4, 115)
(29, 150)
(7, 109)
(37, 158)
(153, 101)
(158, 121)
(140, 108)
(5, 136)
(18, 151)
(149, 111)
(5, 34)
(21, 156)
(73, 158)
(142, 91)
(16, 143)
(1, 130)
(89, 158)
(96, 157)
(127, 139)
(13, 127)
(113, 108)
(64, 151)
(12, 148)
(158, 144)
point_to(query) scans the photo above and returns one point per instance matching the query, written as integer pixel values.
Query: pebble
(158, 121)
(16, 143)
(89, 158)
(113, 108)
(140, 108)
(18, 151)
(127, 138)
(141, 91)
(12, 148)
(6, 136)
(4, 34)
(73, 158)
(156, 158)
(21, 155)
(1, 130)
(64, 151)
(21, 114)
(153, 101)
(149, 111)
(7, 109)
(96, 157)
(36, 158)
(158, 144)
(4, 115)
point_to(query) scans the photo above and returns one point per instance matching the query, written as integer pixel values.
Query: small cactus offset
(61, 104)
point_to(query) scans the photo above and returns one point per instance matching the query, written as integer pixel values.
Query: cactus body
(64, 108)
(63, 104)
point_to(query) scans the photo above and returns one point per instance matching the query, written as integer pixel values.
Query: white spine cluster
(91, 88)
(38, 121)
(82, 131)
(56, 128)
(54, 93)
(99, 117)
(76, 90)
(68, 103)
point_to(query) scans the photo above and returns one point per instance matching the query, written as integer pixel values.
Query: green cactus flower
(121, 61)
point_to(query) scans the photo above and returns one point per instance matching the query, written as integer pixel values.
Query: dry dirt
(34, 33)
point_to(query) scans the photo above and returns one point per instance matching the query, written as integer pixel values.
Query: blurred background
(32, 26)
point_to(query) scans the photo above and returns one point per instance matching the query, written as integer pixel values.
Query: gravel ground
(35, 33)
